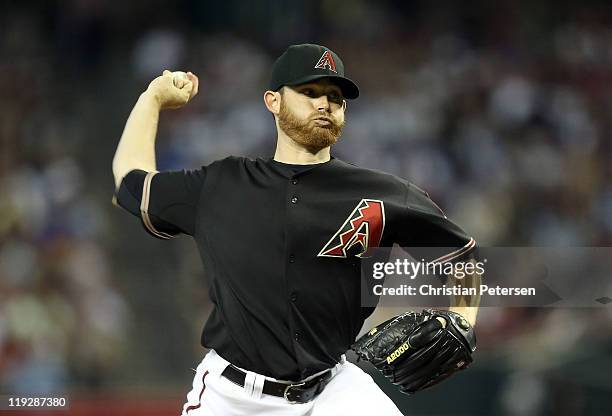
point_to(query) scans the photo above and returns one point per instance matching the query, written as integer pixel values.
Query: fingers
(191, 80)
(187, 90)
(196, 83)
(174, 91)
(442, 321)
(425, 333)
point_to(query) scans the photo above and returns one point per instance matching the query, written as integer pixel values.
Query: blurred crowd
(502, 114)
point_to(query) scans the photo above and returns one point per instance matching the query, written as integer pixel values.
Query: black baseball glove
(416, 350)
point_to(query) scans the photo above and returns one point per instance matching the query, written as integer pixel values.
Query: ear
(272, 101)
(343, 105)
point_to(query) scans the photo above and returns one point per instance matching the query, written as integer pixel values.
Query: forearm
(136, 148)
(467, 305)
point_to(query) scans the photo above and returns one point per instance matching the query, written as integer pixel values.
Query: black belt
(293, 393)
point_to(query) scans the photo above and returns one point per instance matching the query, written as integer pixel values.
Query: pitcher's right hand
(169, 95)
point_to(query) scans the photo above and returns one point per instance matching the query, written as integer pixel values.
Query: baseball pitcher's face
(312, 114)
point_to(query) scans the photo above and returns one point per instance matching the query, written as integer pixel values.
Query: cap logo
(326, 61)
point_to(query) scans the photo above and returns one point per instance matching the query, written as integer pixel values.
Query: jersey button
(296, 336)
(293, 297)
(291, 258)
(294, 181)
(294, 200)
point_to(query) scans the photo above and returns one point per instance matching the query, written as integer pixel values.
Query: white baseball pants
(349, 392)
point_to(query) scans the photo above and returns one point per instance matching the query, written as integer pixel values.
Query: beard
(306, 132)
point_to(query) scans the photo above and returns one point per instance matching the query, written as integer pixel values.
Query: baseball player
(281, 240)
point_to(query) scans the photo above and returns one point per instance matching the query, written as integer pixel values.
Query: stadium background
(501, 110)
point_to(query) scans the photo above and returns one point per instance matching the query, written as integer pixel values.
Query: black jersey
(281, 248)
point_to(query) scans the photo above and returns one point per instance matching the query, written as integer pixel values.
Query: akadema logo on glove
(361, 231)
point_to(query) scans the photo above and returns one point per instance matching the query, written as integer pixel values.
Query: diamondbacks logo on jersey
(326, 61)
(361, 231)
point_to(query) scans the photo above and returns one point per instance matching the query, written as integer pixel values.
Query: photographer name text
(458, 290)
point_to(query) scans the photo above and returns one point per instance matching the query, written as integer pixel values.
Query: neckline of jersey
(279, 166)
(272, 160)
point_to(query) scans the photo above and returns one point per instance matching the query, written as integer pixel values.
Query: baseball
(178, 75)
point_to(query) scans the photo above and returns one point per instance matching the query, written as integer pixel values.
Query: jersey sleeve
(166, 202)
(427, 233)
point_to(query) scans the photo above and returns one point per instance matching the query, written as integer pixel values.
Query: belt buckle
(286, 392)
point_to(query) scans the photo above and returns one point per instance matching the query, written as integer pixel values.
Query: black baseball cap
(304, 63)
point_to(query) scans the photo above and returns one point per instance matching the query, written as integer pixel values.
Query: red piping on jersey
(197, 406)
